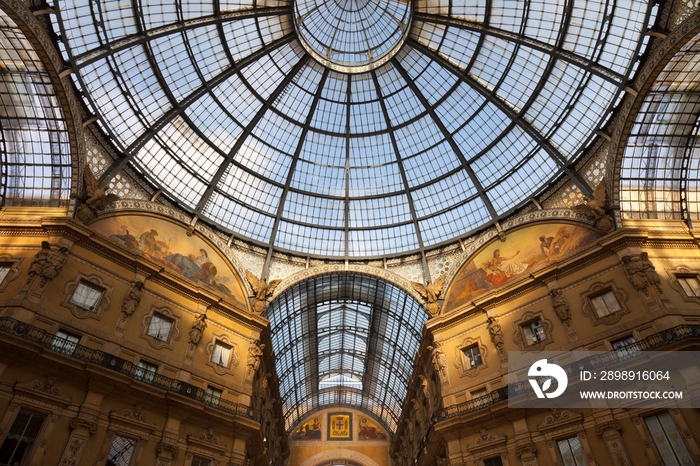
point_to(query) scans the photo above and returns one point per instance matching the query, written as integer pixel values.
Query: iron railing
(100, 358)
(651, 343)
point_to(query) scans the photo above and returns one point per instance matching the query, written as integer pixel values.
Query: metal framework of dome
(291, 125)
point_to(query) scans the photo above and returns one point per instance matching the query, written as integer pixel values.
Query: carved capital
(77, 423)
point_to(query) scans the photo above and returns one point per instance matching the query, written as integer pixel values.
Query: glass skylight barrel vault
(479, 107)
(344, 340)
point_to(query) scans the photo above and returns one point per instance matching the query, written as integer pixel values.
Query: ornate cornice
(133, 417)
(45, 389)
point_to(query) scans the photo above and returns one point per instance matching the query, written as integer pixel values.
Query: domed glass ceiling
(387, 128)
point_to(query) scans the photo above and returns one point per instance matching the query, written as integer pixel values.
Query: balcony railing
(651, 343)
(100, 358)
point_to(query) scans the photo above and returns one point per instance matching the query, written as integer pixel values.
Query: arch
(344, 324)
(644, 81)
(175, 215)
(322, 458)
(489, 264)
(169, 243)
(36, 34)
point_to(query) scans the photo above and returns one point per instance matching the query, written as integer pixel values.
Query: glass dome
(348, 128)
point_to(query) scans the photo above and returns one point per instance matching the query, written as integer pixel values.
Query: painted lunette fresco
(525, 250)
(168, 244)
(310, 430)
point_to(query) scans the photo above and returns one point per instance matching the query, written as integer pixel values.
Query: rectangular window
(472, 356)
(533, 333)
(4, 270)
(221, 354)
(212, 396)
(668, 441)
(199, 461)
(16, 449)
(86, 295)
(145, 371)
(159, 327)
(571, 452)
(628, 340)
(605, 303)
(121, 452)
(65, 342)
(493, 461)
(690, 285)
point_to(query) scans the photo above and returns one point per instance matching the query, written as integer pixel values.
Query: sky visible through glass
(481, 107)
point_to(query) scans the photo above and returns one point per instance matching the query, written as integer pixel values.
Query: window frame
(679, 429)
(233, 359)
(13, 265)
(145, 371)
(93, 281)
(601, 298)
(462, 362)
(561, 455)
(596, 290)
(134, 447)
(60, 346)
(164, 313)
(161, 317)
(683, 272)
(30, 451)
(526, 320)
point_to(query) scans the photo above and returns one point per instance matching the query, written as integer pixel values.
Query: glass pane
(20, 439)
(4, 270)
(675, 439)
(220, 354)
(159, 327)
(86, 296)
(65, 342)
(661, 441)
(121, 451)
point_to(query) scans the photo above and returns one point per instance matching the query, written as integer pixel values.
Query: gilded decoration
(524, 251)
(93, 281)
(339, 426)
(430, 293)
(167, 244)
(95, 197)
(262, 289)
(598, 289)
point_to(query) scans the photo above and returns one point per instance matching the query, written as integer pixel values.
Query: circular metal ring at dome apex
(352, 36)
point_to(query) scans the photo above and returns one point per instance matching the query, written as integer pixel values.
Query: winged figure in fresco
(262, 289)
(96, 196)
(595, 208)
(431, 292)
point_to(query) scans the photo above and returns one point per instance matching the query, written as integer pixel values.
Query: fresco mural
(310, 430)
(167, 244)
(524, 251)
(369, 430)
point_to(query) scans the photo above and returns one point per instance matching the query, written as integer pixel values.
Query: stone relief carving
(96, 197)
(438, 358)
(431, 292)
(263, 290)
(47, 263)
(595, 208)
(255, 353)
(132, 298)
